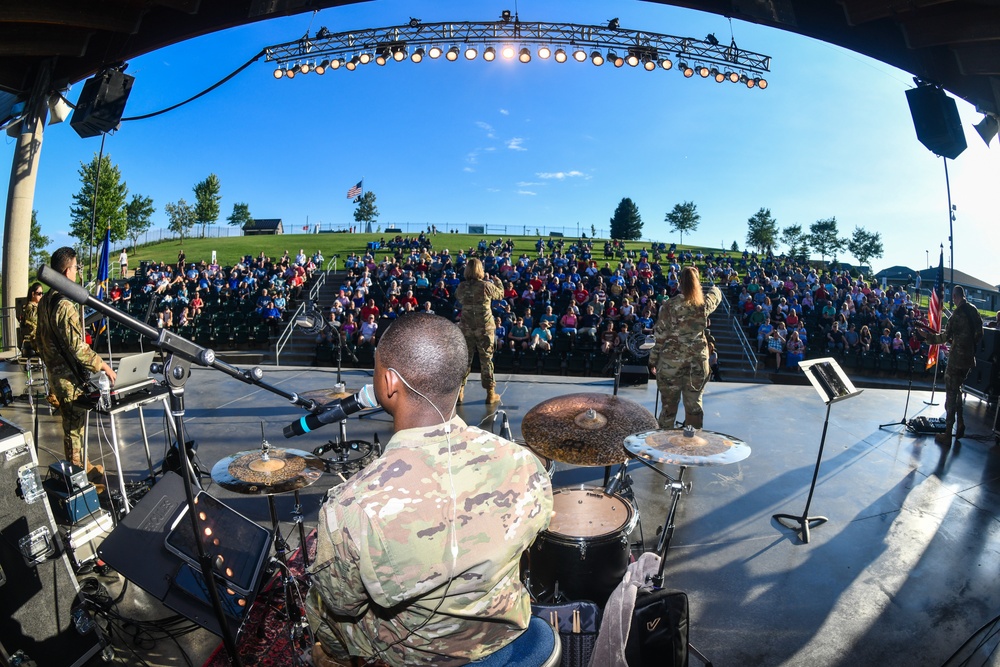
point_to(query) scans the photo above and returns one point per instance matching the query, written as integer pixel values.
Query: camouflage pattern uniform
(29, 324)
(61, 342)
(384, 581)
(681, 357)
(476, 323)
(963, 331)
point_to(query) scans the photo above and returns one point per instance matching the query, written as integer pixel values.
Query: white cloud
(526, 192)
(528, 184)
(472, 158)
(560, 175)
(493, 189)
(515, 144)
(489, 149)
(487, 128)
(504, 112)
(468, 169)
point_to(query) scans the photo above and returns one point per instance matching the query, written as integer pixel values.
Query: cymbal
(698, 448)
(278, 471)
(325, 396)
(584, 429)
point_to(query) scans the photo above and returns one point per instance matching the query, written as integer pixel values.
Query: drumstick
(576, 621)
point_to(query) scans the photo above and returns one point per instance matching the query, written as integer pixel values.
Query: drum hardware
(349, 457)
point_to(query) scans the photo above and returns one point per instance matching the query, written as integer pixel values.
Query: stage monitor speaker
(983, 378)
(634, 374)
(935, 118)
(101, 103)
(987, 349)
(40, 590)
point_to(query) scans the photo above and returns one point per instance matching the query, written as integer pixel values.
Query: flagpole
(937, 363)
(939, 297)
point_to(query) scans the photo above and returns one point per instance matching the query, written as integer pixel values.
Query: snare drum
(585, 551)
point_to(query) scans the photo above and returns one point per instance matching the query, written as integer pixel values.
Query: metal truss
(654, 46)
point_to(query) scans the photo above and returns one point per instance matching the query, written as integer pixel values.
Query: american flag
(355, 191)
(934, 311)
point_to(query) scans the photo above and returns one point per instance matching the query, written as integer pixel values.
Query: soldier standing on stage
(963, 333)
(67, 356)
(29, 320)
(476, 295)
(680, 356)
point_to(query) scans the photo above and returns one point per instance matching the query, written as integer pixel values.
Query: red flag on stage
(934, 311)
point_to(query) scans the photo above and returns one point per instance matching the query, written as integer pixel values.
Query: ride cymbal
(584, 429)
(265, 473)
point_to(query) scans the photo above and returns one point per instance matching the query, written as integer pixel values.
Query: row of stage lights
(633, 58)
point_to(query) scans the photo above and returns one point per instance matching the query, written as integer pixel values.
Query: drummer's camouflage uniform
(681, 357)
(384, 563)
(476, 323)
(60, 340)
(963, 331)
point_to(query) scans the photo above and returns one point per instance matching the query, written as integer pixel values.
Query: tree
(865, 245)
(181, 217)
(762, 231)
(735, 247)
(683, 218)
(207, 198)
(111, 196)
(366, 212)
(37, 254)
(823, 238)
(593, 231)
(240, 217)
(796, 240)
(626, 224)
(139, 215)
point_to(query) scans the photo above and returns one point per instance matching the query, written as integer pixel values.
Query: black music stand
(832, 385)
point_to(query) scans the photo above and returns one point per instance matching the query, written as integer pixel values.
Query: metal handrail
(748, 351)
(286, 335)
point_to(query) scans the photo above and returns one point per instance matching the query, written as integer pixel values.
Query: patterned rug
(267, 638)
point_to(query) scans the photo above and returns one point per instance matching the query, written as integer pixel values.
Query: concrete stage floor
(903, 573)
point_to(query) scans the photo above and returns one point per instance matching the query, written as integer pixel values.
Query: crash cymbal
(259, 473)
(325, 396)
(584, 429)
(687, 448)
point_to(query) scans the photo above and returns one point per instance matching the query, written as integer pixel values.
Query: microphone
(334, 412)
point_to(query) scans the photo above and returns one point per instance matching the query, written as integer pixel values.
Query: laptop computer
(133, 374)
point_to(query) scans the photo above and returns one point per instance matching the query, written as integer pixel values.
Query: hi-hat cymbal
(696, 448)
(325, 396)
(584, 429)
(278, 471)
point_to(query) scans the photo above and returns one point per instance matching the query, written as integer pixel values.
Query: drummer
(417, 555)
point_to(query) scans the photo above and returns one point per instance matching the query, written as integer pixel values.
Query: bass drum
(585, 551)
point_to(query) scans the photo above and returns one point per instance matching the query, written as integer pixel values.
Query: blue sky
(528, 145)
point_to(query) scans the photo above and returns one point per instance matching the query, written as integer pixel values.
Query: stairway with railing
(295, 347)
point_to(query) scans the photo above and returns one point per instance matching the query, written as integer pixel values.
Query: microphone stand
(180, 355)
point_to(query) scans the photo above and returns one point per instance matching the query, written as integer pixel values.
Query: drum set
(585, 552)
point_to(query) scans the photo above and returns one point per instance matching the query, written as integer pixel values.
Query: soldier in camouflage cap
(67, 356)
(963, 331)
(680, 356)
(476, 295)
(418, 555)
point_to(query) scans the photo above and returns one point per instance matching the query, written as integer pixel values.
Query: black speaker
(987, 348)
(983, 378)
(101, 103)
(39, 590)
(935, 118)
(634, 374)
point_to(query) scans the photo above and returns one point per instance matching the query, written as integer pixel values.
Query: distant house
(263, 226)
(980, 293)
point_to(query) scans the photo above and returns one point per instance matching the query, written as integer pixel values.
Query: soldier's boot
(94, 470)
(944, 439)
(960, 428)
(491, 396)
(461, 394)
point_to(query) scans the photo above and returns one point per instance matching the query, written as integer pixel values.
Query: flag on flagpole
(934, 311)
(356, 190)
(102, 276)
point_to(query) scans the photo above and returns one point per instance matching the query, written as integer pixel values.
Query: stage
(903, 572)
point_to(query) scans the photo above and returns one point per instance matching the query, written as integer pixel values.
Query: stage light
(596, 58)
(414, 22)
(666, 63)
(336, 63)
(399, 54)
(490, 54)
(293, 71)
(703, 72)
(417, 55)
(352, 64)
(560, 56)
(505, 15)
(987, 128)
(365, 58)
(579, 55)
(711, 39)
(613, 24)
(381, 57)
(719, 76)
(524, 55)
(686, 70)
(452, 54)
(278, 72)
(435, 52)
(615, 59)
(471, 53)
(321, 68)
(751, 82)
(762, 83)
(544, 52)
(733, 76)
(507, 51)
(632, 60)
(305, 69)
(648, 64)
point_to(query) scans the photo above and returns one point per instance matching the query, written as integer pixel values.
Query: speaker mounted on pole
(101, 103)
(935, 118)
